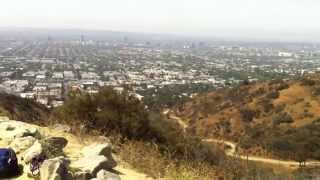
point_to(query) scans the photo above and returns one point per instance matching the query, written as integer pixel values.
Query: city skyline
(282, 20)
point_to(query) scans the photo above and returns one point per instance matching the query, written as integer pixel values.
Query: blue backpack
(8, 159)
(4, 158)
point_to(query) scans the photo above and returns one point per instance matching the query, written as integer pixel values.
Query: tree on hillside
(307, 82)
(109, 112)
(106, 111)
(247, 114)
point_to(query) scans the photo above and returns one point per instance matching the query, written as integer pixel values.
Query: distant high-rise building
(49, 39)
(82, 40)
(125, 39)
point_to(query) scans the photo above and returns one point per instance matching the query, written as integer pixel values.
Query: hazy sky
(282, 19)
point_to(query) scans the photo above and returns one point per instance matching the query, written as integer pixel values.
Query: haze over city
(277, 20)
(166, 89)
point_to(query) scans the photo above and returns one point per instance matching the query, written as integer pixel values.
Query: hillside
(145, 144)
(271, 118)
(22, 109)
(142, 139)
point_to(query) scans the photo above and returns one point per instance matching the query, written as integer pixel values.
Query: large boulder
(35, 150)
(53, 146)
(10, 130)
(106, 175)
(97, 149)
(104, 149)
(92, 164)
(23, 143)
(53, 169)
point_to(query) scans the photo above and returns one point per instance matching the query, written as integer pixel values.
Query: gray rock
(10, 130)
(23, 143)
(92, 164)
(81, 176)
(35, 150)
(106, 175)
(53, 169)
(100, 150)
(97, 149)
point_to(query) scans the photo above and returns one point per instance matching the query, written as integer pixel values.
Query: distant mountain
(75, 34)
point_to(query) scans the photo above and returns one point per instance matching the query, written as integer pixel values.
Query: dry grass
(146, 158)
(216, 114)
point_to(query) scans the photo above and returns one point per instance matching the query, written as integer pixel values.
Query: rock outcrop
(35, 150)
(30, 141)
(92, 164)
(22, 143)
(97, 149)
(9, 130)
(80, 175)
(96, 157)
(54, 169)
(106, 175)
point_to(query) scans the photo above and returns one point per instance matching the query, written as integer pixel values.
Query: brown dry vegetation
(258, 115)
(154, 145)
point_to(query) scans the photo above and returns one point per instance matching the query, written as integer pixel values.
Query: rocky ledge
(93, 161)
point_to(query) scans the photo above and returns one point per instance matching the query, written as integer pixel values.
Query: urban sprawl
(47, 70)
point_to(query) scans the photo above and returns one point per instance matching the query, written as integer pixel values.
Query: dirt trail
(183, 124)
(232, 150)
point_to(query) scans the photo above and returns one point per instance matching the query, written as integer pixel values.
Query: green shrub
(273, 95)
(280, 108)
(266, 104)
(316, 121)
(109, 112)
(23, 109)
(307, 82)
(248, 114)
(282, 86)
(299, 144)
(282, 118)
(307, 114)
(316, 91)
